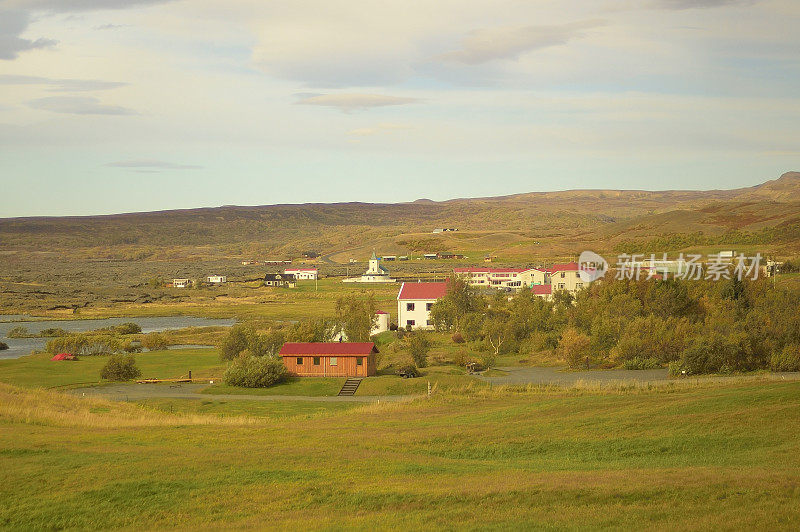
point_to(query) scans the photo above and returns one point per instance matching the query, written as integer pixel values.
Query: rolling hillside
(543, 225)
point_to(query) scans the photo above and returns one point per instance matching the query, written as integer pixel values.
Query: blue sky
(118, 106)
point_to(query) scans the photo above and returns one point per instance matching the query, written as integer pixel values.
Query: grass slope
(723, 456)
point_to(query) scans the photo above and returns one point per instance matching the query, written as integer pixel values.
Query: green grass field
(721, 456)
(39, 371)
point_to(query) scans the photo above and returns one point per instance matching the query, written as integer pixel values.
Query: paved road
(132, 392)
(536, 375)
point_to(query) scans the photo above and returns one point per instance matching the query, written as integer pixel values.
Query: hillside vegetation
(543, 224)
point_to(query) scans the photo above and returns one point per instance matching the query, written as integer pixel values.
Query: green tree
(355, 318)
(418, 345)
(154, 341)
(237, 340)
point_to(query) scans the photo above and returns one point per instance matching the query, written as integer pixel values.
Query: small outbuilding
(329, 359)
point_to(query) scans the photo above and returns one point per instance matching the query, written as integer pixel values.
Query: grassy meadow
(683, 456)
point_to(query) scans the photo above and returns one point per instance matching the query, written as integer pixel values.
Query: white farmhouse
(302, 274)
(180, 283)
(414, 304)
(516, 278)
(217, 279)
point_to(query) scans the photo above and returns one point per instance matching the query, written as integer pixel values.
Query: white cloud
(349, 102)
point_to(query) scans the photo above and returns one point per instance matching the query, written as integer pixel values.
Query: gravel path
(132, 392)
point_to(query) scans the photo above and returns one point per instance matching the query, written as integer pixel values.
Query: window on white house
(563, 274)
(428, 306)
(410, 323)
(334, 361)
(409, 306)
(561, 286)
(578, 285)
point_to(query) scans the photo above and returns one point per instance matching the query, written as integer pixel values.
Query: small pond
(18, 347)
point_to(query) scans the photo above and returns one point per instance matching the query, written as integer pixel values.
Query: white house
(302, 274)
(217, 279)
(181, 283)
(414, 303)
(516, 278)
(565, 277)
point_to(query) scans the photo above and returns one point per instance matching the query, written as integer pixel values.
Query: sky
(111, 106)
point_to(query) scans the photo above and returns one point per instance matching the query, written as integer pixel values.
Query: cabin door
(361, 366)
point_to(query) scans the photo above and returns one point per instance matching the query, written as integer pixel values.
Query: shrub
(393, 326)
(154, 342)
(120, 368)
(457, 338)
(127, 328)
(575, 347)
(786, 360)
(255, 372)
(3, 346)
(53, 332)
(408, 370)
(84, 344)
(641, 363)
(18, 332)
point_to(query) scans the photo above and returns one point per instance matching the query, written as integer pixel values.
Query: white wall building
(414, 303)
(516, 278)
(302, 274)
(217, 279)
(180, 283)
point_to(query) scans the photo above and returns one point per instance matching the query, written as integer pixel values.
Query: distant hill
(537, 224)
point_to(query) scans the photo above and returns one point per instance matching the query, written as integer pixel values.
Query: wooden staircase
(350, 386)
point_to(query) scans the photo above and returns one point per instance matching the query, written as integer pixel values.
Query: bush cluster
(120, 368)
(255, 372)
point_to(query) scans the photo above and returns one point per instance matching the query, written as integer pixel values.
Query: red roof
(542, 289)
(341, 349)
(422, 290)
(381, 312)
(478, 269)
(568, 267)
(63, 356)
(287, 270)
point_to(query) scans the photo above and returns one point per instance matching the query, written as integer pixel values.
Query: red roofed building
(544, 291)
(566, 277)
(516, 278)
(414, 303)
(329, 359)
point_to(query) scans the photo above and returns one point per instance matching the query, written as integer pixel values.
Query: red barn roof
(342, 349)
(422, 290)
(63, 356)
(542, 289)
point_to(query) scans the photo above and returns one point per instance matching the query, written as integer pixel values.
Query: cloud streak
(12, 24)
(349, 102)
(62, 85)
(490, 44)
(78, 105)
(66, 6)
(147, 165)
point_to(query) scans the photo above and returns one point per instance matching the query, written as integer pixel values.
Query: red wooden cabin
(329, 359)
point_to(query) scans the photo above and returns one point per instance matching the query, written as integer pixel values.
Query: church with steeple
(376, 273)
